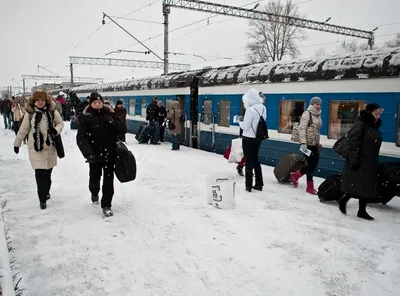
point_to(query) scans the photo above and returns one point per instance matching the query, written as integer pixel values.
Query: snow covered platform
(164, 239)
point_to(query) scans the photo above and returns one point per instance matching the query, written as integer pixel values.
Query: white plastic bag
(236, 154)
(223, 194)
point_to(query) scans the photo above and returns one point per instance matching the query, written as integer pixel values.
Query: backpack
(125, 164)
(262, 129)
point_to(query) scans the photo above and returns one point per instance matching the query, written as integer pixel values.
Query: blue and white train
(211, 97)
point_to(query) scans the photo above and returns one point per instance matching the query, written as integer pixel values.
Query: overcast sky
(47, 32)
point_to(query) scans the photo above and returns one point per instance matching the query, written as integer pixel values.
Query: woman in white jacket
(251, 145)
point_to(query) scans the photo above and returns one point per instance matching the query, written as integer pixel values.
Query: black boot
(258, 187)
(362, 210)
(342, 203)
(43, 205)
(240, 170)
(95, 198)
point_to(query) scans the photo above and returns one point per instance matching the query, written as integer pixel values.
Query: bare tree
(393, 43)
(271, 41)
(320, 52)
(354, 46)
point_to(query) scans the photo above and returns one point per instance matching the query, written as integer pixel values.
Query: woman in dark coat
(360, 173)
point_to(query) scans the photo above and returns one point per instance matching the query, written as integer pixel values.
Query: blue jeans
(7, 120)
(175, 142)
(155, 130)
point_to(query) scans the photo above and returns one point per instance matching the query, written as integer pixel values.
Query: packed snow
(164, 239)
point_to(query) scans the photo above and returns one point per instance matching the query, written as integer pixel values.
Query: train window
(132, 107)
(290, 112)
(224, 112)
(143, 108)
(168, 104)
(207, 112)
(398, 126)
(342, 116)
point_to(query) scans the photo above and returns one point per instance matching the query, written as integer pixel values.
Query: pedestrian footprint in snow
(41, 123)
(97, 137)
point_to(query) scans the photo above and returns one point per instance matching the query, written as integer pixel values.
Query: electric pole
(166, 12)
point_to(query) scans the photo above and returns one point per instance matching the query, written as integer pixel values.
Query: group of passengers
(100, 127)
(159, 118)
(359, 178)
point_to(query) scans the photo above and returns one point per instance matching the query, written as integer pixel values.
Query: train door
(181, 100)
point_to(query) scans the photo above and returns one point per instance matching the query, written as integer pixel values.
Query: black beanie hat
(371, 107)
(95, 96)
(119, 102)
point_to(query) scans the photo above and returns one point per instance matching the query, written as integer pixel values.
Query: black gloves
(16, 150)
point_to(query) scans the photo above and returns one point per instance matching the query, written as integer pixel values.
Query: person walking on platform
(251, 144)
(98, 133)
(41, 123)
(360, 173)
(311, 116)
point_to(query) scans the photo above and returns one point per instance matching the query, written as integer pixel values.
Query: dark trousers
(123, 137)
(95, 173)
(162, 131)
(312, 161)
(43, 182)
(251, 148)
(175, 142)
(16, 127)
(154, 128)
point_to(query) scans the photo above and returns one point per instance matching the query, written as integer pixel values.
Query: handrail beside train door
(213, 132)
(198, 131)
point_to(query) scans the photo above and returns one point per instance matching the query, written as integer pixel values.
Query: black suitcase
(329, 190)
(143, 134)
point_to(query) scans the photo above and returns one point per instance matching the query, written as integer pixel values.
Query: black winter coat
(162, 114)
(98, 133)
(152, 111)
(360, 173)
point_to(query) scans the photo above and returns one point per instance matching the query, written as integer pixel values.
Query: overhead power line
(239, 12)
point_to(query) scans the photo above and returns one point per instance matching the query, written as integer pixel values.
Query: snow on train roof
(370, 63)
(172, 80)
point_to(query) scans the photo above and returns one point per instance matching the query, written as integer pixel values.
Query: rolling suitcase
(143, 134)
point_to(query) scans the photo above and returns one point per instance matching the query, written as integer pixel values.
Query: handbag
(171, 124)
(311, 132)
(59, 146)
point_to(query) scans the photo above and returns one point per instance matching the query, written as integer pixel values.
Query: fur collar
(369, 119)
(30, 106)
(90, 111)
(314, 111)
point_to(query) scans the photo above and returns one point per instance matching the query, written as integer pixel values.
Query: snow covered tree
(393, 43)
(354, 46)
(271, 41)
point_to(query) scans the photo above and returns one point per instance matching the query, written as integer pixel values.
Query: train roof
(171, 80)
(366, 64)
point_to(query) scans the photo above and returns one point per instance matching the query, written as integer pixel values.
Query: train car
(212, 97)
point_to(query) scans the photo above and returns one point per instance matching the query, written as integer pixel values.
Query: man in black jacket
(153, 118)
(98, 133)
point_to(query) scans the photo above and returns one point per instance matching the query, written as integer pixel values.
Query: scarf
(37, 135)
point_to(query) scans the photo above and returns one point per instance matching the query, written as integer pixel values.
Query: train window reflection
(224, 113)
(132, 107)
(342, 116)
(207, 111)
(290, 111)
(143, 108)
